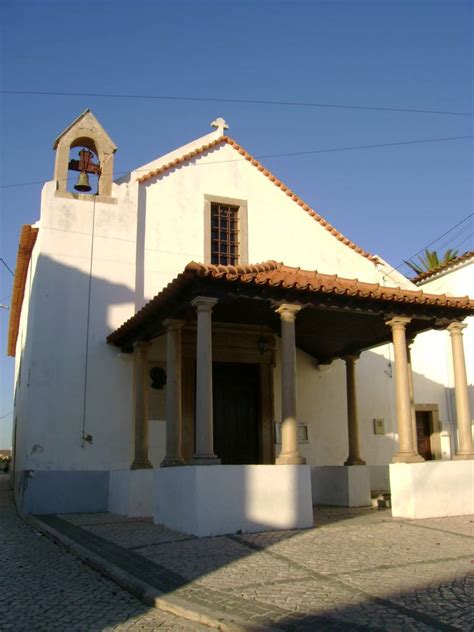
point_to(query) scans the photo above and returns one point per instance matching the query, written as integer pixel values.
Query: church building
(195, 343)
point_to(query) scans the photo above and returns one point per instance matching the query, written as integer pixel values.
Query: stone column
(352, 421)
(289, 428)
(463, 415)
(141, 460)
(204, 454)
(406, 450)
(412, 394)
(174, 414)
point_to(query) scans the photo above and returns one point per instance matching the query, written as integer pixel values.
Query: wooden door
(236, 412)
(423, 434)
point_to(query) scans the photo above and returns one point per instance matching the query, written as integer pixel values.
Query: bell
(82, 183)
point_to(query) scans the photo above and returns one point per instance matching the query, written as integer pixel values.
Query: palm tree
(429, 260)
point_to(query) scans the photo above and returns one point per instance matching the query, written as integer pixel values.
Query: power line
(7, 266)
(281, 155)
(467, 238)
(7, 415)
(441, 236)
(240, 101)
(431, 243)
(405, 142)
(451, 239)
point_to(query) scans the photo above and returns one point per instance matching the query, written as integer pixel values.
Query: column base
(228, 499)
(434, 489)
(131, 492)
(290, 459)
(141, 465)
(408, 457)
(170, 462)
(205, 459)
(341, 485)
(463, 456)
(354, 461)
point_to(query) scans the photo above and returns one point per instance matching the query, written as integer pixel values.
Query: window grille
(224, 234)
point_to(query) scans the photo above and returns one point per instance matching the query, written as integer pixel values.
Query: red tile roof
(256, 163)
(277, 274)
(424, 276)
(25, 247)
(274, 274)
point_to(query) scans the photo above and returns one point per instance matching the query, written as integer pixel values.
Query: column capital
(173, 324)
(288, 311)
(351, 357)
(204, 303)
(398, 322)
(456, 328)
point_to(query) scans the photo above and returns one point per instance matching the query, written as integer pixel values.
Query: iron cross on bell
(84, 165)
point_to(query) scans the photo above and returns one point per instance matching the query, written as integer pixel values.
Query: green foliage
(429, 260)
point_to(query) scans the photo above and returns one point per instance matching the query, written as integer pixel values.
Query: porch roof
(341, 315)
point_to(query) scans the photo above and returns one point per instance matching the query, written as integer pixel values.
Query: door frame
(435, 428)
(241, 368)
(236, 344)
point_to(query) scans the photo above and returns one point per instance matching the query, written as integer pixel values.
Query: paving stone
(137, 534)
(357, 569)
(219, 563)
(45, 588)
(461, 525)
(85, 519)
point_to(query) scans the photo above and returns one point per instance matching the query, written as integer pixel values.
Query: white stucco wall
(91, 275)
(84, 247)
(432, 355)
(175, 221)
(321, 405)
(196, 499)
(433, 489)
(95, 263)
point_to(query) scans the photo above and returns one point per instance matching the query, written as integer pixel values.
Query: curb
(142, 590)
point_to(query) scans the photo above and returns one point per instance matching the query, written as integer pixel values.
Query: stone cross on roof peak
(220, 125)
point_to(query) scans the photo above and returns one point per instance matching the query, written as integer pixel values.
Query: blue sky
(400, 54)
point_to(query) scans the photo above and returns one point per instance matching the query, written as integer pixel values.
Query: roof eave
(26, 244)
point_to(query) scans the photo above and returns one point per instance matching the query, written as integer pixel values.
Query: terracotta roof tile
(449, 264)
(25, 247)
(226, 139)
(274, 274)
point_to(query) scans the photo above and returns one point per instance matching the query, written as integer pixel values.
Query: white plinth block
(341, 485)
(131, 492)
(433, 489)
(215, 500)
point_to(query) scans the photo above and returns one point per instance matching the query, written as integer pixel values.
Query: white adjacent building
(196, 343)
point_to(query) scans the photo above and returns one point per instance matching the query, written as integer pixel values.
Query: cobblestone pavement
(43, 588)
(358, 569)
(355, 570)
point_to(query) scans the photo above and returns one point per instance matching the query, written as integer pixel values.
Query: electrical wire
(431, 243)
(239, 101)
(280, 155)
(7, 266)
(458, 245)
